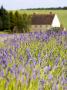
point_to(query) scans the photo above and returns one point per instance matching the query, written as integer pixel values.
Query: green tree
(18, 22)
(16, 17)
(22, 22)
(1, 25)
(26, 22)
(5, 19)
(12, 20)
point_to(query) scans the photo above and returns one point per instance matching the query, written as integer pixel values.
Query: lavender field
(33, 61)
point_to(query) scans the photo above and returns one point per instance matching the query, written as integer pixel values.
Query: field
(62, 14)
(33, 61)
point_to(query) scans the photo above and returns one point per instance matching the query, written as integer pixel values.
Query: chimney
(34, 13)
(51, 13)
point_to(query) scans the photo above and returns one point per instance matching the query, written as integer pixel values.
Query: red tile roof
(42, 19)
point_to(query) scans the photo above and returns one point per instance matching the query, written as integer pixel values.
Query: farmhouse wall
(37, 28)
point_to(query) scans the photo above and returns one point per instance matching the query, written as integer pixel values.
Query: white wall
(55, 22)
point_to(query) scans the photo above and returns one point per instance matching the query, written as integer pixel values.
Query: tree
(65, 8)
(1, 25)
(12, 20)
(26, 22)
(5, 19)
(18, 22)
(22, 22)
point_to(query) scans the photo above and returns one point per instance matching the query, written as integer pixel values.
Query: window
(40, 25)
(35, 26)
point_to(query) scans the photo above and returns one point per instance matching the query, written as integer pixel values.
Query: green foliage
(5, 19)
(2, 84)
(57, 71)
(22, 22)
(18, 22)
(47, 87)
(1, 23)
(26, 22)
(33, 85)
(12, 20)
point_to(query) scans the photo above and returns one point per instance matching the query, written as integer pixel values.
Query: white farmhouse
(42, 22)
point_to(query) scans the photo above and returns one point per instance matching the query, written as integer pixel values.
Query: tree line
(51, 8)
(14, 22)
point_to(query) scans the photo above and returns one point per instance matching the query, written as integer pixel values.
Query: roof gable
(42, 19)
(55, 22)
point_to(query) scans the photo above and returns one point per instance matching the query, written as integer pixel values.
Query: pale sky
(23, 4)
